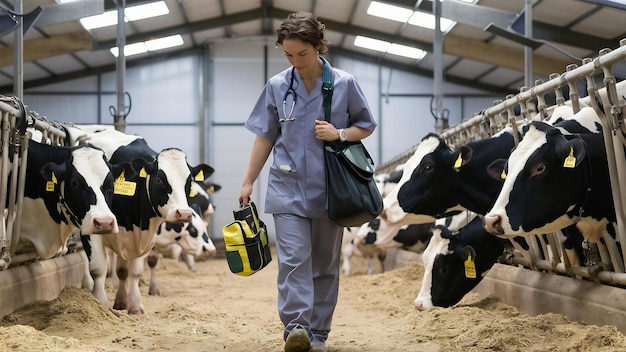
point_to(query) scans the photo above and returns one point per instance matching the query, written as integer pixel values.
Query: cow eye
(538, 170)
(73, 182)
(426, 168)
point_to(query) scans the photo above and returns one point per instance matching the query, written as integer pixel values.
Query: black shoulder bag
(353, 198)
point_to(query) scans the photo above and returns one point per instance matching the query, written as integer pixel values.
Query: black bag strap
(327, 88)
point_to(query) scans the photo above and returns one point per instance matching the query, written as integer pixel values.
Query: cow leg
(98, 269)
(153, 260)
(346, 252)
(135, 269)
(189, 260)
(121, 297)
(112, 263)
(87, 279)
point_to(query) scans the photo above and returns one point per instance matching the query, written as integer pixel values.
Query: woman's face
(301, 55)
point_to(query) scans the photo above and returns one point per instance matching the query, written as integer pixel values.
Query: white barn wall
(166, 108)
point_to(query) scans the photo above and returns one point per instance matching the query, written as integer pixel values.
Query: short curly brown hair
(304, 26)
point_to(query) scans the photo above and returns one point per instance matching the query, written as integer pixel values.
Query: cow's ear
(211, 187)
(143, 166)
(52, 171)
(461, 156)
(201, 172)
(572, 153)
(126, 168)
(496, 169)
(444, 232)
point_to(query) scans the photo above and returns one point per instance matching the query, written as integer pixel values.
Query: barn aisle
(214, 310)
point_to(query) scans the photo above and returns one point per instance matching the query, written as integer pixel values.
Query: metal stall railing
(605, 262)
(18, 125)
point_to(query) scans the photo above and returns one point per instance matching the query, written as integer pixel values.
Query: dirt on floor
(215, 310)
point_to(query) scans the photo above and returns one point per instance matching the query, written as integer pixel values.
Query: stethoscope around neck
(292, 92)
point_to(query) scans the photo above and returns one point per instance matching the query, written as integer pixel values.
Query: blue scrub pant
(309, 253)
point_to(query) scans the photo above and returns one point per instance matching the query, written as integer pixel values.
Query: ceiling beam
(480, 16)
(42, 48)
(500, 55)
(421, 71)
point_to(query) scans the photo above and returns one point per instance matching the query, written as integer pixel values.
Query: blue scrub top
(297, 177)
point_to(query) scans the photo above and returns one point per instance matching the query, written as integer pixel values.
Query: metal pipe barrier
(604, 262)
(17, 125)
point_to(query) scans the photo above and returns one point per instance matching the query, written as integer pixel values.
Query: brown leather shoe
(317, 348)
(297, 341)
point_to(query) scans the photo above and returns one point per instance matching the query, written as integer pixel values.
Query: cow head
(545, 180)
(168, 182)
(85, 186)
(455, 263)
(192, 237)
(419, 197)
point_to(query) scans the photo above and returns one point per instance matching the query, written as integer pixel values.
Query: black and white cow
(454, 263)
(438, 182)
(192, 237)
(449, 275)
(553, 180)
(200, 200)
(66, 189)
(141, 203)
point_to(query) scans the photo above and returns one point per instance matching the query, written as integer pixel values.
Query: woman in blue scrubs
(288, 120)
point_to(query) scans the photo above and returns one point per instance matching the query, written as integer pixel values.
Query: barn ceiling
(483, 50)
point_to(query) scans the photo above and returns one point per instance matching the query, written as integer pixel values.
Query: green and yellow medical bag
(246, 241)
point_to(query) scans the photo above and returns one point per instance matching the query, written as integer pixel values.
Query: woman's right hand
(244, 196)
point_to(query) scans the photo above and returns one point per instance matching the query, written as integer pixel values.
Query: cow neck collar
(66, 209)
(587, 179)
(155, 210)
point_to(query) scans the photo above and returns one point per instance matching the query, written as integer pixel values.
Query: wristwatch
(343, 135)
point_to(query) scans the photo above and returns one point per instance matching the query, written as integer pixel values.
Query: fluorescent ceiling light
(106, 19)
(150, 45)
(405, 15)
(370, 43)
(427, 20)
(406, 51)
(164, 43)
(131, 49)
(132, 13)
(390, 12)
(391, 48)
(141, 12)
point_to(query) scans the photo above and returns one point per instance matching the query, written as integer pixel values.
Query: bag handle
(327, 88)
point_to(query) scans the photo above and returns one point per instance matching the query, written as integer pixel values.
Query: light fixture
(427, 20)
(390, 12)
(405, 15)
(131, 13)
(390, 48)
(150, 45)
(131, 49)
(164, 43)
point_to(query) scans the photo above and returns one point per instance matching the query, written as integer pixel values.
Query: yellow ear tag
(50, 184)
(570, 161)
(192, 193)
(199, 176)
(470, 268)
(123, 187)
(503, 175)
(458, 162)
(143, 173)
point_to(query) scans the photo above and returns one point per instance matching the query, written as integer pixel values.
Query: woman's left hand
(325, 131)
